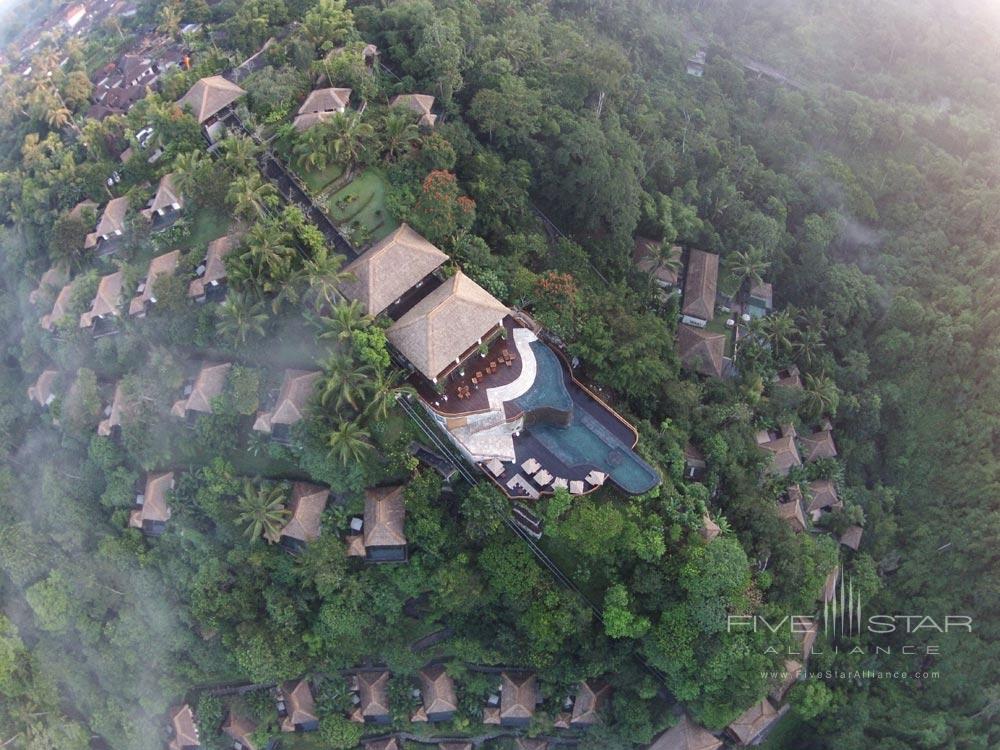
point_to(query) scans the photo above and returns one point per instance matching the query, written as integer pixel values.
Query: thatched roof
(791, 513)
(114, 418)
(519, 696)
(390, 268)
(154, 505)
(373, 690)
(789, 378)
(166, 195)
(754, 721)
(591, 698)
(42, 391)
(385, 515)
(818, 445)
(421, 104)
(709, 528)
(296, 390)
(107, 299)
(784, 452)
(386, 743)
(455, 746)
(701, 350)
(161, 265)
(307, 505)
(239, 730)
(59, 307)
(185, 731)
(299, 704)
(207, 386)
(321, 105)
(700, 284)
(437, 691)
(55, 278)
(686, 735)
(824, 496)
(446, 324)
(852, 537)
(215, 267)
(113, 219)
(531, 743)
(209, 95)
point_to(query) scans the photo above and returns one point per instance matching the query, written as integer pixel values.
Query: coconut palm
(349, 442)
(386, 388)
(820, 396)
(346, 318)
(324, 273)
(749, 265)
(313, 149)
(344, 381)
(188, 170)
(778, 329)
(241, 317)
(349, 136)
(240, 153)
(250, 195)
(269, 250)
(808, 346)
(398, 133)
(262, 511)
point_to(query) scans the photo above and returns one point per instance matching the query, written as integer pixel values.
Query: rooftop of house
(113, 219)
(373, 690)
(297, 388)
(320, 105)
(387, 270)
(852, 537)
(154, 500)
(42, 391)
(437, 691)
(791, 513)
(167, 195)
(789, 377)
(239, 729)
(460, 745)
(591, 698)
(709, 528)
(208, 384)
(421, 104)
(792, 669)
(646, 255)
(519, 696)
(184, 729)
(446, 324)
(823, 493)
(107, 299)
(818, 445)
(700, 284)
(385, 516)
(114, 417)
(700, 350)
(299, 704)
(55, 278)
(59, 308)
(531, 743)
(384, 743)
(783, 450)
(753, 722)
(210, 95)
(306, 505)
(161, 265)
(686, 735)
(215, 266)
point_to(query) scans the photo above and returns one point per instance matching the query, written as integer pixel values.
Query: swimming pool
(571, 425)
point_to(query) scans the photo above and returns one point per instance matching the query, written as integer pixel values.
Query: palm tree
(387, 387)
(241, 153)
(347, 318)
(821, 396)
(241, 317)
(749, 265)
(398, 133)
(324, 272)
(269, 250)
(808, 346)
(188, 168)
(250, 195)
(262, 511)
(313, 149)
(344, 381)
(170, 20)
(349, 137)
(778, 330)
(349, 442)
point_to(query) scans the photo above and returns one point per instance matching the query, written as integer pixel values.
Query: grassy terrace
(718, 325)
(318, 180)
(360, 207)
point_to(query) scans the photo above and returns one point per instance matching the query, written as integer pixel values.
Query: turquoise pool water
(584, 441)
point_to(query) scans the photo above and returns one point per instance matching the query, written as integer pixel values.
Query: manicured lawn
(718, 325)
(360, 206)
(207, 226)
(318, 179)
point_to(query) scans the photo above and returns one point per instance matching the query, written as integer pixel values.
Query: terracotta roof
(818, 445)
(114, 419)
(385, 515)
(107, 299)
(686, 735)
(299, 704)
(709, 528)
(591, 698)
(792, 670)
(58, 307)
(824, 496)
(852, 537)
(184, 730)
(445, 324)
(325, 100)
(113, 219)
(166, 195)
(209, 95)
(215, 267)
(701, 350)
(161, 265)
(208, 385)
(390, 268)
(55, 278)
(754, 721)
(437, 691)
(154, 505)
(785, 454)
(419, 103)
(791, 513)
(519, 696)
(646, 255)
(42, 391)
(306, 505)
(239, 730)
(296, 389)
(374, 694)
(700, 284)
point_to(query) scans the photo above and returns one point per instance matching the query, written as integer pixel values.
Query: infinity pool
(593, 437)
